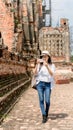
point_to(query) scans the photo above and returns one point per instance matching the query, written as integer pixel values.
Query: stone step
(10, 86)
(5, 79)
(8, 76)
(7, 101)
(7, 82)
(10, 80)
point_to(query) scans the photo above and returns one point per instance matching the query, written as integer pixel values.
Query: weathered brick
(6, 25)
(63, 81)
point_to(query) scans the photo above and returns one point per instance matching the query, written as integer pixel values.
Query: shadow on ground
(53, 116)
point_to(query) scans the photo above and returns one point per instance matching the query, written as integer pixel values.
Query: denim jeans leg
(40, 90)
(47, 97)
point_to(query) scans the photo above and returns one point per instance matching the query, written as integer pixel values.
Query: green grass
(71, 58)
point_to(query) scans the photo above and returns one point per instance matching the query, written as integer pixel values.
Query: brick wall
(12, 67)
(6, 25)
(58, 59)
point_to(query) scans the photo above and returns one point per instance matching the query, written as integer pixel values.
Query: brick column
(6, 25)
(67, 45)
(26, 26)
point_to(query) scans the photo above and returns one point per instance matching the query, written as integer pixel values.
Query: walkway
(26, 113)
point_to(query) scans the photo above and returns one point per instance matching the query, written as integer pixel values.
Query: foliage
(71, 58)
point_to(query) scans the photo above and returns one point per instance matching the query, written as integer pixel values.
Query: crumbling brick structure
(6, 25)
(19, 23)
(56, 41)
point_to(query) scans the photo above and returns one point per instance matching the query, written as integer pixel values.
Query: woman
(44, 72)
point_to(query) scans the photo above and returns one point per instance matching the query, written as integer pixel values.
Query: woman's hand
(38, 61)
(47, 66)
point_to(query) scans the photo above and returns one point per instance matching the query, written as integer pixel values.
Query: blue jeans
(44, 90)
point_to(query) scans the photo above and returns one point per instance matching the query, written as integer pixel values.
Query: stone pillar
(31, 23)
(67, 47)
(25, 21)
(35, 24)
(63, 42)
(40, 13)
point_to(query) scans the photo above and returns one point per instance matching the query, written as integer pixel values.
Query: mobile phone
(41, 63)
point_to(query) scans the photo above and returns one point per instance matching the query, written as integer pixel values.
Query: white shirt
(44, 75)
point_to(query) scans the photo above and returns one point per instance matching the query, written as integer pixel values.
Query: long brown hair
(49, 60)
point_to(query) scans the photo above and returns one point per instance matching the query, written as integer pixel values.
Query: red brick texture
(63, 74)
(63, 81)
(6, 25)
(11, 67)
(58, 59)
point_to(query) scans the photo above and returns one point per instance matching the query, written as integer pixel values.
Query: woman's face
(45, 58)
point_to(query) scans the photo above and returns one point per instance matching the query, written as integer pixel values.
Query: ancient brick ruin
(56, 41)
(19, 24)
(21, 41)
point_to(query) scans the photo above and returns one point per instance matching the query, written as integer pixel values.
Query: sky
(61, 9)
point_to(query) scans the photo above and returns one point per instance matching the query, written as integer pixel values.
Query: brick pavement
(26, 113)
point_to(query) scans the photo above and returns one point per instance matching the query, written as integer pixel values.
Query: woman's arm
(51, 70)
(35, 71)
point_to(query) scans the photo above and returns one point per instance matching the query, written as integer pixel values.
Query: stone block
(63, 81)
